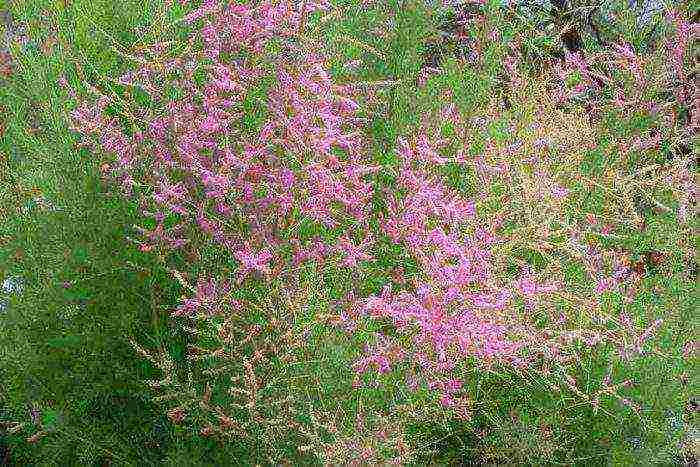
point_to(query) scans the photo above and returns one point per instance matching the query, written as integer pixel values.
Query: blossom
(379, 362)
(252, 261)
(171, 195)
(354, 253)
(380, 306)
(453, 385)
(309, 168)
(604, 284)
(446, 400)
(315, 250)
(427, 153)
(216, 185)
(531, 289)
(559, 192)
(207, 299)
(496, 301)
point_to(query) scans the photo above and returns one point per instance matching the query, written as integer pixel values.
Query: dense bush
(478, 274)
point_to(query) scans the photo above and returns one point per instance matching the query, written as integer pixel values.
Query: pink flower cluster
(241, 191)
(207, 300)
(203, 181)
(685, 32)
(603, 70)
(461, 307)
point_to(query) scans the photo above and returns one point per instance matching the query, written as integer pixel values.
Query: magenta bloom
(354, 254)
(216, 185)
(207, 300)
(531, 289)
(559, 192)
(605, 284)
(446, 400)
(253, 262)
(453, 385)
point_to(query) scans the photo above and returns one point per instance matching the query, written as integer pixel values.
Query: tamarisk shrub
(492, 292)
(657, 79)
(243, 381)
(195, 172)
(374, 440)
(481, 301)
(205, 179)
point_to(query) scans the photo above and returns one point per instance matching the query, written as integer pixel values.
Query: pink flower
(252, 262)
(208, 298)
(607, 229)
(171, 195)
(378, 307)
(604, 284)
(210, 226)
(446, 400)
(207, 7)
(453, 385)
(496, 301)
(379, 362)
(216, 185)
(531, 289)
(577, 61)
(354, 254)
(412, 382)
(316, 250)
(559, 192)
(427, 153)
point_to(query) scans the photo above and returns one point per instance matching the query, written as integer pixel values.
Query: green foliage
(65, 360)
